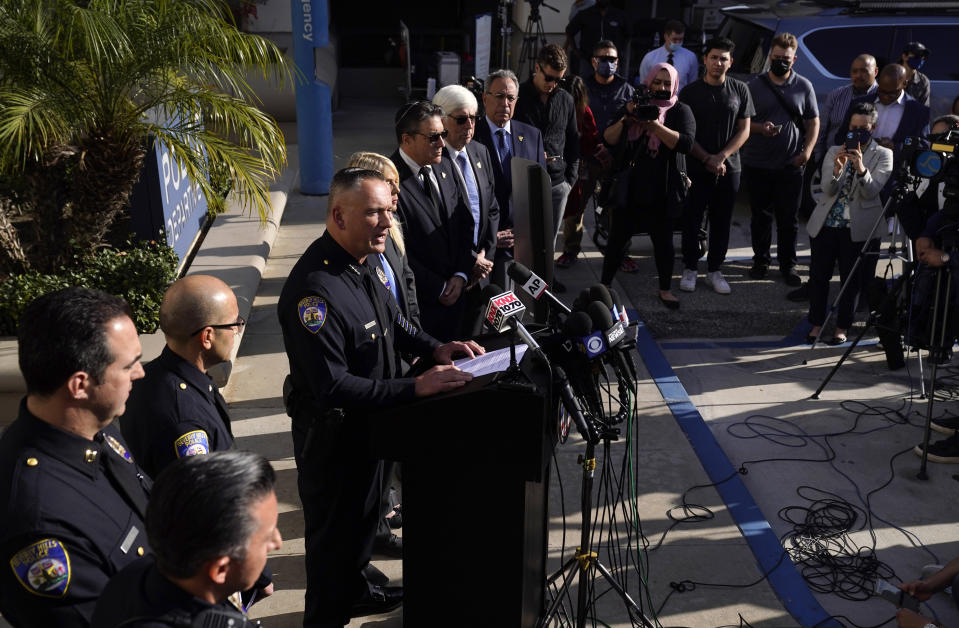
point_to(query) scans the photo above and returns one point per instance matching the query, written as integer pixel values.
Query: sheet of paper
(491, 362)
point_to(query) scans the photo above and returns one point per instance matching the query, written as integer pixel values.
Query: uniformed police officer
(176, 410)
(341, 329)
(211, 522)
(74, 499)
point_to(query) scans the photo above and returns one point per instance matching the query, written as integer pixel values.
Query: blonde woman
(393, 260)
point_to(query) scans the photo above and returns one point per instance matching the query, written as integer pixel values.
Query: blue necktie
(505, 154)
(390, 277)
(471, 192)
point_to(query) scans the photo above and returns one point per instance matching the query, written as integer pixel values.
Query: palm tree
(84, 84)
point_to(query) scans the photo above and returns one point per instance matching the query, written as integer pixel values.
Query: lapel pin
(520, 137)
(479, 165)
(443, 174)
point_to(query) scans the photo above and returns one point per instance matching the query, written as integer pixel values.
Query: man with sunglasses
(436, 219)
(473, 169)
(550, 109)
(176, 410)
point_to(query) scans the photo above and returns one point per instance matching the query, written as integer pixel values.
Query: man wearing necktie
(342, 330)
(74, 499)
(437, 222)
(473, 168)
(673, 53)
(505, 138)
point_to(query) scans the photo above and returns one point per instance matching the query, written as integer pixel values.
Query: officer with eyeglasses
(176, 410)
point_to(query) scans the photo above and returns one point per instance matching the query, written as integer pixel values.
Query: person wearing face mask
(607, 93)
(673, 53)
(853, 174)
(649, 189)
(913, 57)
(782, 136)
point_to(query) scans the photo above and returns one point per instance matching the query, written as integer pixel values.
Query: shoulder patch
(193, 443)
(118, 448)
(312, 313)
(43, 568)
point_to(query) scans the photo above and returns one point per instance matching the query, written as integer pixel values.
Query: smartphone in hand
(896, 595)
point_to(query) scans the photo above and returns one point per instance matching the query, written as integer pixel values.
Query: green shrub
(140, 275)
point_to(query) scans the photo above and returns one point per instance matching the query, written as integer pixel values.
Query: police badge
(43, 568)
(312, 311)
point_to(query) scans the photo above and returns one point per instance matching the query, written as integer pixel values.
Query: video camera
(937, 163)
(642, 97)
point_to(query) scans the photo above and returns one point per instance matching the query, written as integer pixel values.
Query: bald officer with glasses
(505, 138)
(176, 410)
(436, 219)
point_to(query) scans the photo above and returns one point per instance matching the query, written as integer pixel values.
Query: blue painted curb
(785, 580)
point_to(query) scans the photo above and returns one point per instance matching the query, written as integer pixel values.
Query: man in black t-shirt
(722, 107)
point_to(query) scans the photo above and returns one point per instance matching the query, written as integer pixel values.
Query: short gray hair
(453, 97)
(502, 74)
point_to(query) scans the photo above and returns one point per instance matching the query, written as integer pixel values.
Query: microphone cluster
(592, 337)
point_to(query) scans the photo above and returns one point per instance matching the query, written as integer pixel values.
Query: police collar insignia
(118, 448)
(383, 277)
(312, 312)
(43, 568)
(195, 443)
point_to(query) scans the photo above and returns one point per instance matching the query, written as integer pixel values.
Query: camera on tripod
(642, 97)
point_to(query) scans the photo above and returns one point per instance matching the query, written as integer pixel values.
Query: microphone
(613, 334)
(619, 310)
(586, 429)
(579, 326)
(503, 305)
(534, 285)
(505, 310)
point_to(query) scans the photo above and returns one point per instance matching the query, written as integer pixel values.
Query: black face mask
(779, 67)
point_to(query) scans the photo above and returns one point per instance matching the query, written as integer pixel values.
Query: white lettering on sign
(307, 20)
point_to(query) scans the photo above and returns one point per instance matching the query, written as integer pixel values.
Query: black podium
(475, 479)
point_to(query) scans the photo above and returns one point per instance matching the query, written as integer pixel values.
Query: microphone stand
(513, 378)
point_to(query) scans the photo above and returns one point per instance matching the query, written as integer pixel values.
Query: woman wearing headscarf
(651, 185)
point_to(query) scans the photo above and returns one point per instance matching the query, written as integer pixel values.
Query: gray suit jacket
(864, 203)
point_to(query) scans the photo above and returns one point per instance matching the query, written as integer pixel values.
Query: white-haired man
(473, 169)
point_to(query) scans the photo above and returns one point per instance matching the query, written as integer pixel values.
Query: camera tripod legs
(934, 354)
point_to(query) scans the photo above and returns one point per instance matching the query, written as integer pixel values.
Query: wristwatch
(943, 258)
(930, 625)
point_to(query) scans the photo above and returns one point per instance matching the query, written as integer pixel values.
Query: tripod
(534, 36)
(585, 560)
(889, 209)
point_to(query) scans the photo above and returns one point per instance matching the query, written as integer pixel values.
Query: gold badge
(520, 137)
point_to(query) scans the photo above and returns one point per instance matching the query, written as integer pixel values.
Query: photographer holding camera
(650, 143)
(853, 174)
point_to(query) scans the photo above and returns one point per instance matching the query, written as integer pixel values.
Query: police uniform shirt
(340, 349)
(175, 410)
(140, 590)
(73, 518)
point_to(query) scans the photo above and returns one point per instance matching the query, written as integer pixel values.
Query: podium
(475, 482)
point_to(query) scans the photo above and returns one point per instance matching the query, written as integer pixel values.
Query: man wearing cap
(913, 57)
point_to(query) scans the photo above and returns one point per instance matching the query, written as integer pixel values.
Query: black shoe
(375, 576)
(946, 451)
(800, 294)
(377, 600)
(758, 271)
(558, 287)
(946, 425)
(791, 277)
(390, 546)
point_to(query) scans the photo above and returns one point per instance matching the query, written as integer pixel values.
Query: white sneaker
(688, 282)
(718, 283)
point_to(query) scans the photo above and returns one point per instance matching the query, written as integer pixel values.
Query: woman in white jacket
(852, 176)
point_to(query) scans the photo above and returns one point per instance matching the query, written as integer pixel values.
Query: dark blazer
(529, 147)
(437, 245)
(482, 165)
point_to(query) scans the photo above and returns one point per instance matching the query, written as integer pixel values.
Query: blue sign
(928, 163)
(314, 106)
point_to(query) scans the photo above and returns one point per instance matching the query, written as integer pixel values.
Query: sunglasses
(433, 137)
(463, 119)
(238, 323)
(503, 96)
(551, 79)
(607, 58)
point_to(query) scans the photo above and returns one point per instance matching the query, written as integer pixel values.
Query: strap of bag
(797, 118)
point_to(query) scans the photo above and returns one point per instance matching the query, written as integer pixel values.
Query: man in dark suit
(436, 218)
(473, 168)
(900, 116)
(505, 138)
